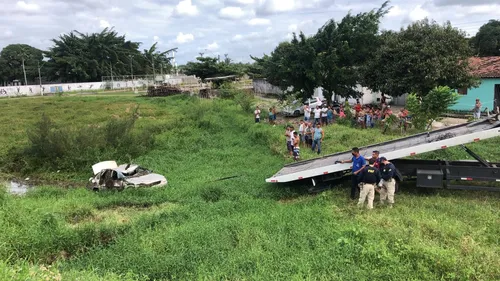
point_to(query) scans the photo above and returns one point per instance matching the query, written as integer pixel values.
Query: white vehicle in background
(297, 109)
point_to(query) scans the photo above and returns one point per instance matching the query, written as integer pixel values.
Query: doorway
(497, 99)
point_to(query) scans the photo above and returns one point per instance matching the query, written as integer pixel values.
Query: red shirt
(357, 107)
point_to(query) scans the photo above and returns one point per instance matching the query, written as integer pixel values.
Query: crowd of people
(376, 174)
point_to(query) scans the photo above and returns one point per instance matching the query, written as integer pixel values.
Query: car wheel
(296, 113)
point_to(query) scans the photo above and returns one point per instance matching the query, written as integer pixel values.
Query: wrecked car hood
(108, 175)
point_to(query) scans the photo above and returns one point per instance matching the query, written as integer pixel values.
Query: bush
(228, 90)
(424, 110)
(51, 147)
(245, 101)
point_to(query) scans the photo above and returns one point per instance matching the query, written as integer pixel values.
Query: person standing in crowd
(290, 140)
(388, 183)
(369, 118)
(375, 156)
(358, 164)
(257, 115)
(307, 113)
(477, 110)
(357, 107)
(271, 116)
(319, 135)
(368, 178)
(309, 135)
(287, 136)
(330, 115)
(296, 149)
(302, 130)
(317, 115)
(324, 116)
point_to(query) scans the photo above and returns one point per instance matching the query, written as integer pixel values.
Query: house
(488, 70)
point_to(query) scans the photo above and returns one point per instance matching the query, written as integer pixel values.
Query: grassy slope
(199, 228)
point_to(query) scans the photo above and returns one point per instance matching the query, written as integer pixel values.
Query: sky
(238, 28)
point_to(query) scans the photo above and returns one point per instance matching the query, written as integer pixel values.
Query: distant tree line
(78, 57)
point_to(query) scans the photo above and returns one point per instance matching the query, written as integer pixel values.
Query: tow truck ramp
(395, 149)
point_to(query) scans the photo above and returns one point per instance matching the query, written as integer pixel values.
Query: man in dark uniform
(368, 178)
(388, 184)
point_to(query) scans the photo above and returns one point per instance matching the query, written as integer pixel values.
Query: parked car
(295, 110)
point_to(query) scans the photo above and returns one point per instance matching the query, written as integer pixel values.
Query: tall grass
(238, 228)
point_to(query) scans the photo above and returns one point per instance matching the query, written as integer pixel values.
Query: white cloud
(292, 28)
(212, 47)
(485, 9)
(156, 38)
(7, 33)
(237, 37)
(259, 21)
(185, 7)
(396, 11)
(418, 13)
(245, 2)
(231, 13)
(29, 7)
(104, 24)
(184, 38)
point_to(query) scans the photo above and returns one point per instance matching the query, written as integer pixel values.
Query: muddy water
(18, 188)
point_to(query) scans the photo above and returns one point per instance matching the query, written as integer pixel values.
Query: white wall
(34, 90)
(368, 96)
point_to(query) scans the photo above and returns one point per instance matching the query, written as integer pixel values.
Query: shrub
(245, 101)
(424, 110)
(53, 147)
(228, 90)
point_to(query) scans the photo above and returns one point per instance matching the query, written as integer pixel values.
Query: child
(369, 120)
(302, 129)
(296, 149)
(309, 135)
(271, 116)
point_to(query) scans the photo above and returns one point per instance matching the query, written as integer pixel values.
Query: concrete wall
(261, 86)
(485, 92)
(34, 90)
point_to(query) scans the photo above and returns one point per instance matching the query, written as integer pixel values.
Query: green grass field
(199, 228)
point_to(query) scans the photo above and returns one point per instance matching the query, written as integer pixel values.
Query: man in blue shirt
(358, 163)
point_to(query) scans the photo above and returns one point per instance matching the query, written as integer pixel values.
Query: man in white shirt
(307, 113)
(324, 116)
(257, 115)
(317, 115)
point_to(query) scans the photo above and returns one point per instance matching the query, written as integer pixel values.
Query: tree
(426, 109)
(78, 57)
(343, 48)
(157, 60)
(208, 67)
(11, 61)
(420, 58)
(332, 59)
(291, 64)
(487, 40)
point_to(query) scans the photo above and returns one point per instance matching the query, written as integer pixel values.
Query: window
(462, 91)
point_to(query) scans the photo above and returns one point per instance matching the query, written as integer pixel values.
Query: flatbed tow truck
(428, 173)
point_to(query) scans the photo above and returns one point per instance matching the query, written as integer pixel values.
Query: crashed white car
(108, 175)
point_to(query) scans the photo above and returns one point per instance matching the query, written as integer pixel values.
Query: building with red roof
(488, 70)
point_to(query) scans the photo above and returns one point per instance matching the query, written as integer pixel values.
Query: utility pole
(132, 72)
(40, 78)
(24, 70)
(154, 72)
(112, 80)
